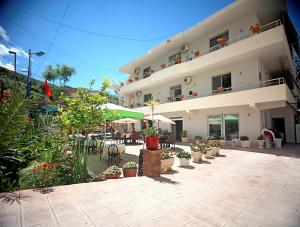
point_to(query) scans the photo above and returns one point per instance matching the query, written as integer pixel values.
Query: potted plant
(152, 138)
(197, 151)
(151, 71)
(129, 169)
(220, 89)
(184, 136)
(208, 151)
(197, 53)
(112, 172)
(136, 78)
(198, 139)
(221, 41)
(129, 80)
(166, 160)
(255, 28)
(222, 141)
(163, 66)
(180, 97)
(177, 59)
(184, 158)
(169, 99)
(245, 141)
(194, 94)
(261, 141)
(215, 148)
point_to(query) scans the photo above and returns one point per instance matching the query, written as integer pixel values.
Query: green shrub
(112, 170)
(183, 154)
(130, 165)
(166, 154)
(183, 133)
(150, 131)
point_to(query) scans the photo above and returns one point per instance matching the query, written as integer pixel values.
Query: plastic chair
(113, 154)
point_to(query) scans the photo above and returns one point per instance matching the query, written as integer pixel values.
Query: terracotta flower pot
(197, 53)
(222, 42)
(152, 142)
(129, 172)
(151, 163)
(112, 176)
(163, 66)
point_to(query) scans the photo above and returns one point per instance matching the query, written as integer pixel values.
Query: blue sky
(34, 24)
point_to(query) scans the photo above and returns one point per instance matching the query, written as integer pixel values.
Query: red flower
(34, 170)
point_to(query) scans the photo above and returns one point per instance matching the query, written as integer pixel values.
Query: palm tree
(152, 103)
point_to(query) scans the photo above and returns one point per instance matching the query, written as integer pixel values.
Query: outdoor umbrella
(120, 112)
(125, 121)
(160, 118)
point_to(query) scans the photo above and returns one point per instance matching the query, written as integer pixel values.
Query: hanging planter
(222, 42)
(180, 97)
(177, 59)
(255, 28)
(220, 89)
(194, 94)
(163, 66)
(197, 53)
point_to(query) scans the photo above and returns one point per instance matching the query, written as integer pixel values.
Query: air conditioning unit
(187, 80)
(185, 47)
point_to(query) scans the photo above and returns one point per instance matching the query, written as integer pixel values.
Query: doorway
(278, 124)
(177, 129)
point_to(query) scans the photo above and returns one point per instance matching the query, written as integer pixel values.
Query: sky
(97, 37)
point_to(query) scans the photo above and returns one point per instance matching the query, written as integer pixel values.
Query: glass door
(231, 126)
(215, 126)
(175, 92)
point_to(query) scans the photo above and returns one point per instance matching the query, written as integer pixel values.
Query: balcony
(247, 43)
(266, 94)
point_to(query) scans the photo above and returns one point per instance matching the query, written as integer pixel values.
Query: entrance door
(279, 125)
(177, 129)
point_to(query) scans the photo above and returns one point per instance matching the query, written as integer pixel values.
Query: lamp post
(40, 53)
(15, 61)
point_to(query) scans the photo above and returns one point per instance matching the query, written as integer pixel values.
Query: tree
(84, 111)
(152, 103)
(62, 73)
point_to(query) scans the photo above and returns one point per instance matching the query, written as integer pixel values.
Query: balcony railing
(199, 53)
(202, 93)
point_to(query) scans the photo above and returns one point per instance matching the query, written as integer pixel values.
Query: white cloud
(3, 34)
(4, 50)
(9, 66)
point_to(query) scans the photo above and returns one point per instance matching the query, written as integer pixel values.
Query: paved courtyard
(241, 188)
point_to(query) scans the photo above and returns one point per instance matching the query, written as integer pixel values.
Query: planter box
(245, 143)
(261, 143)
(112, 176)
(166, 165)
(151, 163)
(216, 151)
(197, 156)
(184, 162)
(129, 172)
(185, 139)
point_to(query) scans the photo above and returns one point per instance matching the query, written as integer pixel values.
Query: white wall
(234, 28)
(243, 73)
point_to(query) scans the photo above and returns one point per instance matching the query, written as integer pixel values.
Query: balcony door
(222, 81)
(175, 92)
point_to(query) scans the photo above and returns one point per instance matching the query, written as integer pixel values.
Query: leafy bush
(183, 133)
(166, 154)
(112, 170)
(150, 131)
(130, 165)
(244, 138)
(198, 138)
(260, 137)
(183, 154)
(199, 147)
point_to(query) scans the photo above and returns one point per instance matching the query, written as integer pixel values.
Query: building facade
(228, 76)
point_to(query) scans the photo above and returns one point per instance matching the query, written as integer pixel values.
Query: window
(213, 42)
(226, 125)
(146, 72)
(222, 81)
(147, 97)
(172, 58)
(175, 92)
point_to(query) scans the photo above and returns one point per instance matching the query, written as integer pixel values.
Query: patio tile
(10, 210)
(136, 219)
(104, 217)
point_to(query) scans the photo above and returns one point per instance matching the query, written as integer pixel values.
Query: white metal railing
(206, 93)
(187, 58)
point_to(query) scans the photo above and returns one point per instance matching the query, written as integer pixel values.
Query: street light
(15, 61)
(40, 53)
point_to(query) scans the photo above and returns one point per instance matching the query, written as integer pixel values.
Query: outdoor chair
(92, 144)
(134, 137)
(101, 147)
(170, 141)
(113, 154)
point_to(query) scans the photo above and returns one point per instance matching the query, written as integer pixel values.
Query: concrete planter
(261, 143)
(208, 153)
(222, 142)
(197, 156)
(166, 165)
(245, 143)
(184, 139)
(184, 162)
(216, 151)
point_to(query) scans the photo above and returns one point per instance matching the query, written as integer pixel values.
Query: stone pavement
(239, 189)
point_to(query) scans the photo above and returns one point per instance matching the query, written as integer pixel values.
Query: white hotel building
(226, 91)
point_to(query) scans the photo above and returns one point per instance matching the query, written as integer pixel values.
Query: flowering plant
(44, 176)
